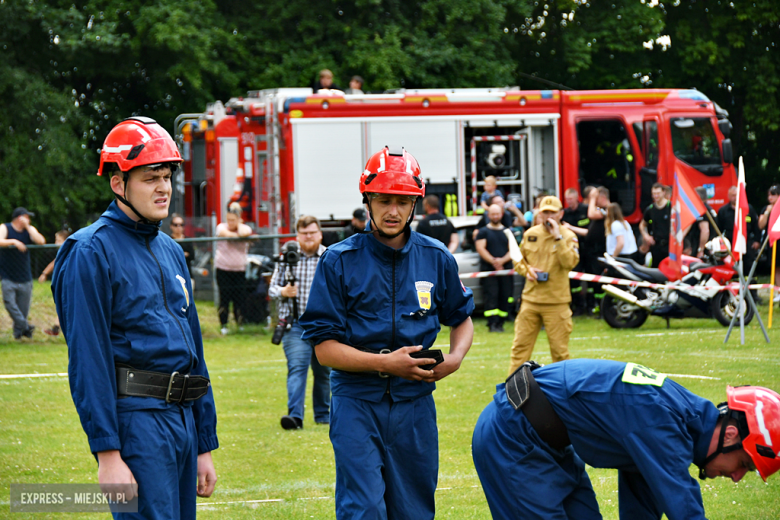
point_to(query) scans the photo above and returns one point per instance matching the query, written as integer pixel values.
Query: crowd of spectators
(601, 227)
(598, 224)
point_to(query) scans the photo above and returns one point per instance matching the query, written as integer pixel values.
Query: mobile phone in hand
(434, 355)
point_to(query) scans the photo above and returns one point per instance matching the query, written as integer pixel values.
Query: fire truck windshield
(694, 141)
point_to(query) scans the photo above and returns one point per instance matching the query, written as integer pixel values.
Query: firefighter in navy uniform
(376, 298)
(532, 442)
(137, 373)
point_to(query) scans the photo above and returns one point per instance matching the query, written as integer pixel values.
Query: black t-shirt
(351, 230)
(436, 225)
(596, 238)
(189, 253)
(726, 224)
(577, 217)
(497, 245)
(507, 220)
(15, 265)
(658, 224)
(694, 235)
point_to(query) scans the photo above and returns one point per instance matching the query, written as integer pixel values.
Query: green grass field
(266, 472)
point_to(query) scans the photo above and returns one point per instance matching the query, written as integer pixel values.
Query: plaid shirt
(304, 274)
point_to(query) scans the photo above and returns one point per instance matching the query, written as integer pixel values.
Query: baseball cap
(550, 203)
(18, 212)
(360, 214)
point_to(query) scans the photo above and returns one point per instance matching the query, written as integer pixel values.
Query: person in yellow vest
(548, 252)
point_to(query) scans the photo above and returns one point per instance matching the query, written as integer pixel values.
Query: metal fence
(244, 292)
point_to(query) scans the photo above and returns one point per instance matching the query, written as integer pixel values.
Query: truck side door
(607, 159)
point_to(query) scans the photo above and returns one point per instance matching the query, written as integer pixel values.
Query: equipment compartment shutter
(328, 164)
(433, 143)
(228, 164)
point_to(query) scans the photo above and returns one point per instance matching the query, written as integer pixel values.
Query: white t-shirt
(629, 242)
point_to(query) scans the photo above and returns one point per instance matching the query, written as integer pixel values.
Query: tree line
(69, 71)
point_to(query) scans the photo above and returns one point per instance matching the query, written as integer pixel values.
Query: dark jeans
(232, 288)
(300, 354)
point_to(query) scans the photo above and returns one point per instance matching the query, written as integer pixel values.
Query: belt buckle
(384, 351)
(170, 385)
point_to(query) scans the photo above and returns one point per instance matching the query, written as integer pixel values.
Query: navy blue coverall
(383, 430)
(124, 296)
(650, 434)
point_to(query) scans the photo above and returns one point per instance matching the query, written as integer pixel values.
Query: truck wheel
(725, 304)
(622, 315)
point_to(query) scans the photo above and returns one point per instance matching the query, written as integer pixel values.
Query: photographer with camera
(549, 252)
(291, 283)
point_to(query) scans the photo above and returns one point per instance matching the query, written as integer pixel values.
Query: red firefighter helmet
(761, 407)
(392, 171)
(137, 141)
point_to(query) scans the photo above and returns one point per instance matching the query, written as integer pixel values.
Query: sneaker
(29, 332)
(54, 331)
(224, 331)
(291, 423)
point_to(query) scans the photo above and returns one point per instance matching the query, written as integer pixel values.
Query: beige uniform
(545, 303)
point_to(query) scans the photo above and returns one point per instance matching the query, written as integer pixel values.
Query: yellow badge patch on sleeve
(635, 374)
(184, 288)
(424, 294)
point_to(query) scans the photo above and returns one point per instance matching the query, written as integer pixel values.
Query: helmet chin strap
(381, 233)
(123, 200)
(726, 416)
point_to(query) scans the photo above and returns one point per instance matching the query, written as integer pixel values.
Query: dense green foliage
(69, 71)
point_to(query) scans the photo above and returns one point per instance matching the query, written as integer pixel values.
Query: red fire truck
(286, 152)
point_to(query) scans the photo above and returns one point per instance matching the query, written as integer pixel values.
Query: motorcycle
(630, 307)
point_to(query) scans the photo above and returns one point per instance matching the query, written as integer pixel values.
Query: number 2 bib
(635, 374)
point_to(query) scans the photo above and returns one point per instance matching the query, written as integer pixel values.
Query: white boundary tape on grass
(22, 376)
(277, 500)
(243, 502)
(690, 376)
(703, 331)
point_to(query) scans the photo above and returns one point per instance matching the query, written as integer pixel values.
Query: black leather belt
(523, 393)
(173, 388)
(373, 351)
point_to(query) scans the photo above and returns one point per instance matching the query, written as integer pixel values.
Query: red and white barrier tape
(486, 274)
(574, 275)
